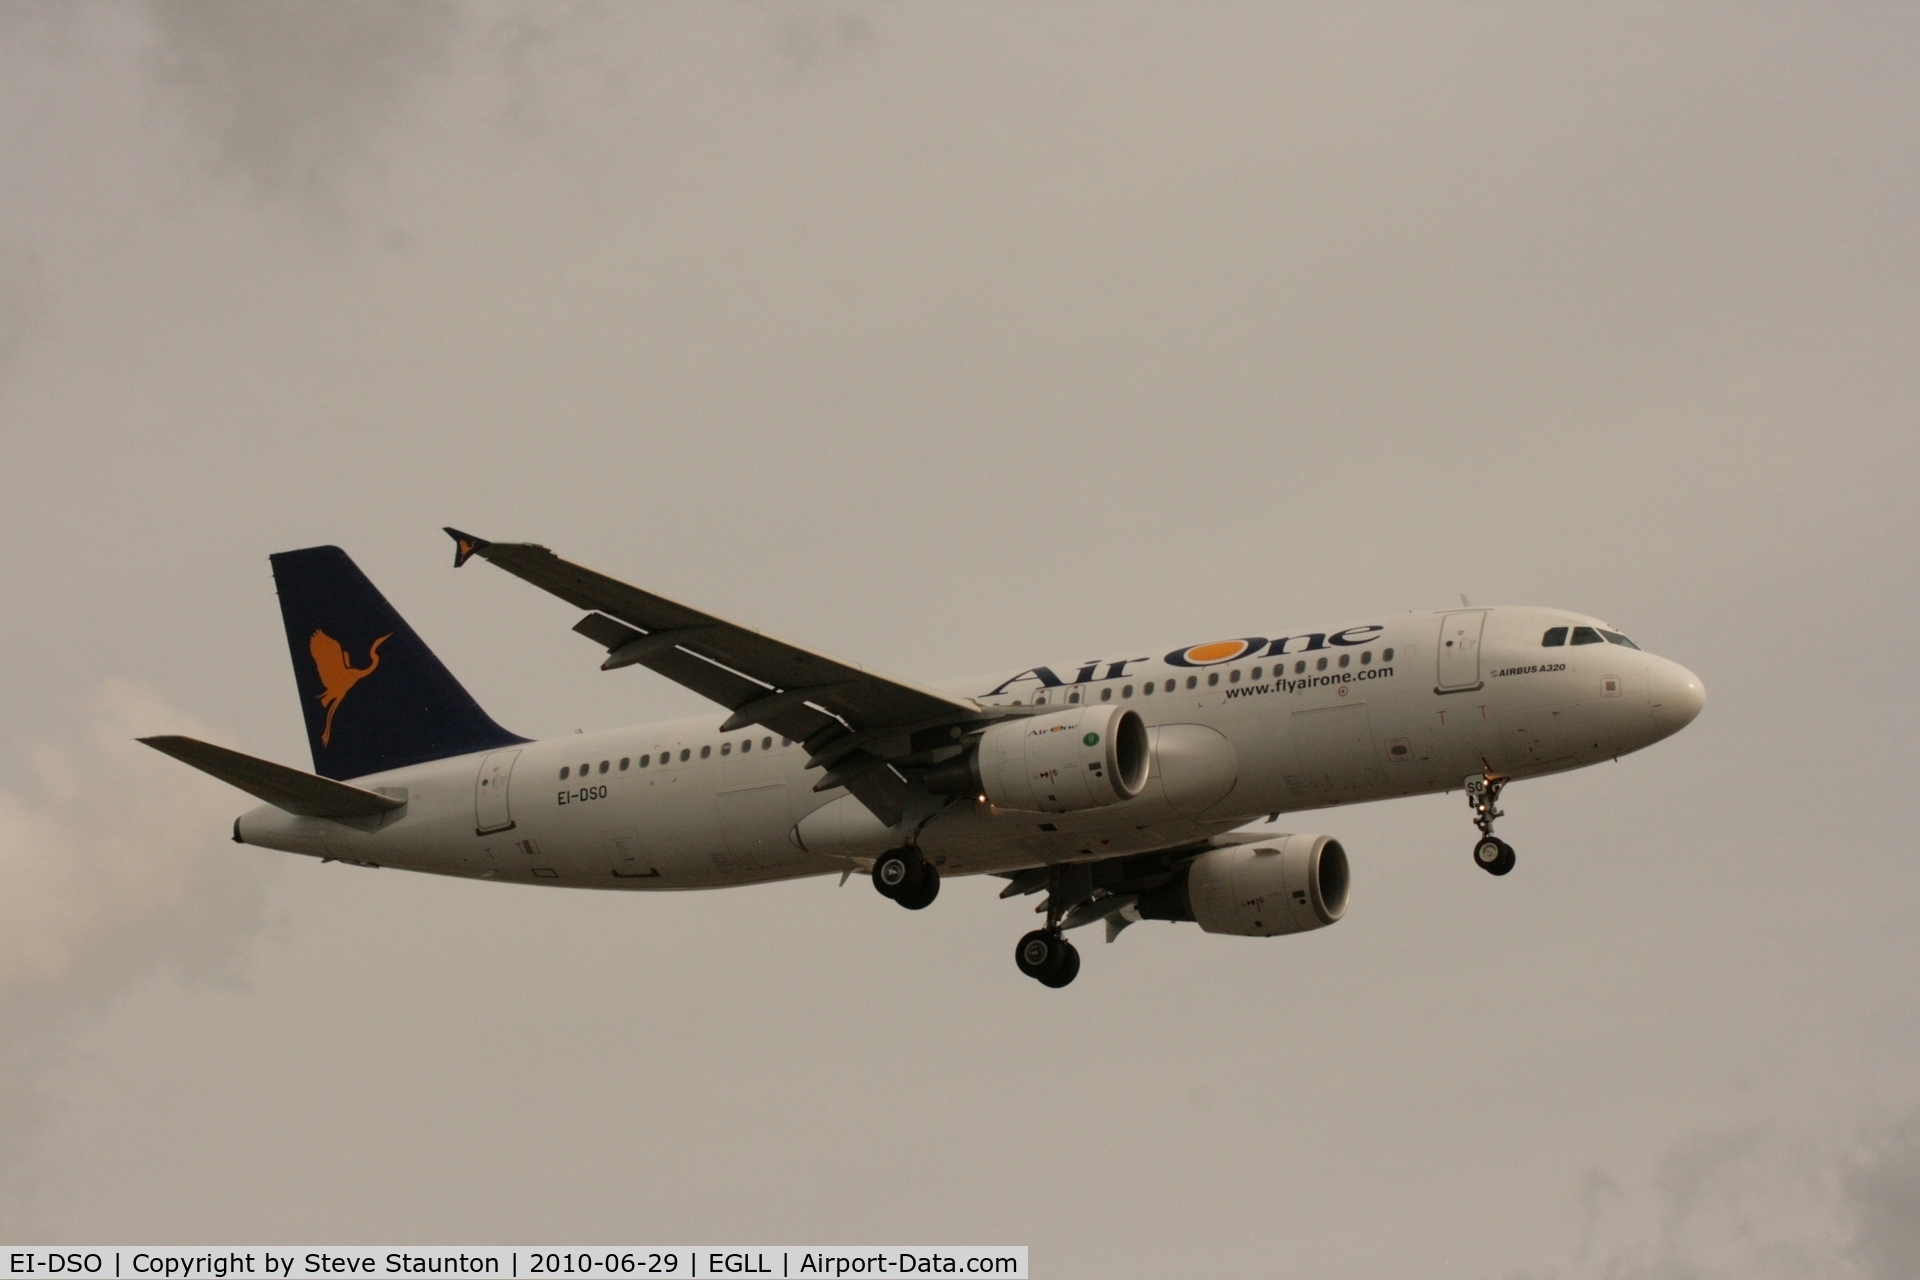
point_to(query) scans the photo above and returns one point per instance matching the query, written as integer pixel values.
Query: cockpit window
(1616, 638)
(1555, 637)
(1586, 635)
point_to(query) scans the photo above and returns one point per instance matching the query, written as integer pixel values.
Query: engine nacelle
(1072, 758)
(1286, 885)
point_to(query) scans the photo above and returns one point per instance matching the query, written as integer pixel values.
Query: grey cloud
(1760, 1202)
(24, 301)
(813, 37)
(112, 877)
(558, 68)
(294, 99)
(1883, 1191)
(808, 36)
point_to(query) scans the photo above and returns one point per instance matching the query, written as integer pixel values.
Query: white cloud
(116, 871)
(1761, 1202)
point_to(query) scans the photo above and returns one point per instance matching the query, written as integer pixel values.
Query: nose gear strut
(1490, 853)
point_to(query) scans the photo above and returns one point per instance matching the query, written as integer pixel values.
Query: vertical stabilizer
(373, 694)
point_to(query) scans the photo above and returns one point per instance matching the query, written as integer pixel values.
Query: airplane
(1123, 788)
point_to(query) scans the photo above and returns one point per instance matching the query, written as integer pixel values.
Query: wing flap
(306, 794)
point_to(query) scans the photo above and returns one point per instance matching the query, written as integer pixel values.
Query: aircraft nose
(1678, 696)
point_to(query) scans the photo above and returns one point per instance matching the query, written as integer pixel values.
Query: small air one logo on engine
(1091, 740)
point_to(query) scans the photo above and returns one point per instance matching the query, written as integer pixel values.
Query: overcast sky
(945, 339)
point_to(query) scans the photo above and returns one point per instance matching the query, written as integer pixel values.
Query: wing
(853, 722)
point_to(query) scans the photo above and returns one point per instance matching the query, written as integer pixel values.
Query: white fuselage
(1412, 706)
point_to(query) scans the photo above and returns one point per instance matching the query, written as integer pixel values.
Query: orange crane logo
(338, 675)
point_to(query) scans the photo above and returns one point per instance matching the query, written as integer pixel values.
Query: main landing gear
(906, 877)
(1048, 958)
(1044, 955)
(1492, 854)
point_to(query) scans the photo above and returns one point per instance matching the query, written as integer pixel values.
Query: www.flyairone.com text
(123, 1262)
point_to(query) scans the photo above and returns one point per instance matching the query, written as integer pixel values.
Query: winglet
(465, 545)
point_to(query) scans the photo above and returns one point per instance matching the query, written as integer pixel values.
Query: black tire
(1069, 967)
(1040, 954)
(923, 893)
(1494, 856)
(897, 873)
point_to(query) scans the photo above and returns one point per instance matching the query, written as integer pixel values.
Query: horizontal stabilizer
(306, 794)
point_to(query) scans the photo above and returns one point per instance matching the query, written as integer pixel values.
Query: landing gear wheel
(1042, 954)
(1069, 967)
(897, 873)
(1494, 856)
(922, 894)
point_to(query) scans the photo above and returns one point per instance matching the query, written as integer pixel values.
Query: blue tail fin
(399, 705)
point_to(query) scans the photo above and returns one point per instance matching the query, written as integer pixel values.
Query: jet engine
(1072, 758)
(1286, 885)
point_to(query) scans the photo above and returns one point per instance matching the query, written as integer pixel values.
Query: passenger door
(1459, 651)
(491, 811)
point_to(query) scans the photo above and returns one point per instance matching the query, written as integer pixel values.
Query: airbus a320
(1123, 788)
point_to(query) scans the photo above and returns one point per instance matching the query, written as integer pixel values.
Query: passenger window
(564, 771)
(1586, 635)
(1387, 656)
(1146, 688)
(746, 745)
(1106, 694)
(1233, 676)
(604, 766)
(766, 744)
(585, 769)
(706, 752)
(1617, 638)
(1300, 667)
(1213, 677)
(624, 762)
(1256, 673)
(684, 753)
(1127, 692)
(1170, 686)
(1366, 656)
(645, 761)
(1321, 665)
(786, 742)
(1555, 637)
(1192, 681)
(1074, 696)
(726, 748)
(1343, 658)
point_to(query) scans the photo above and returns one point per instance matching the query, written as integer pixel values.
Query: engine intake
(1287, 885)
(1069, 759)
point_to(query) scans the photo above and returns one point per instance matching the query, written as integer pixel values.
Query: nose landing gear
(1490, 853)
(906, 877)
